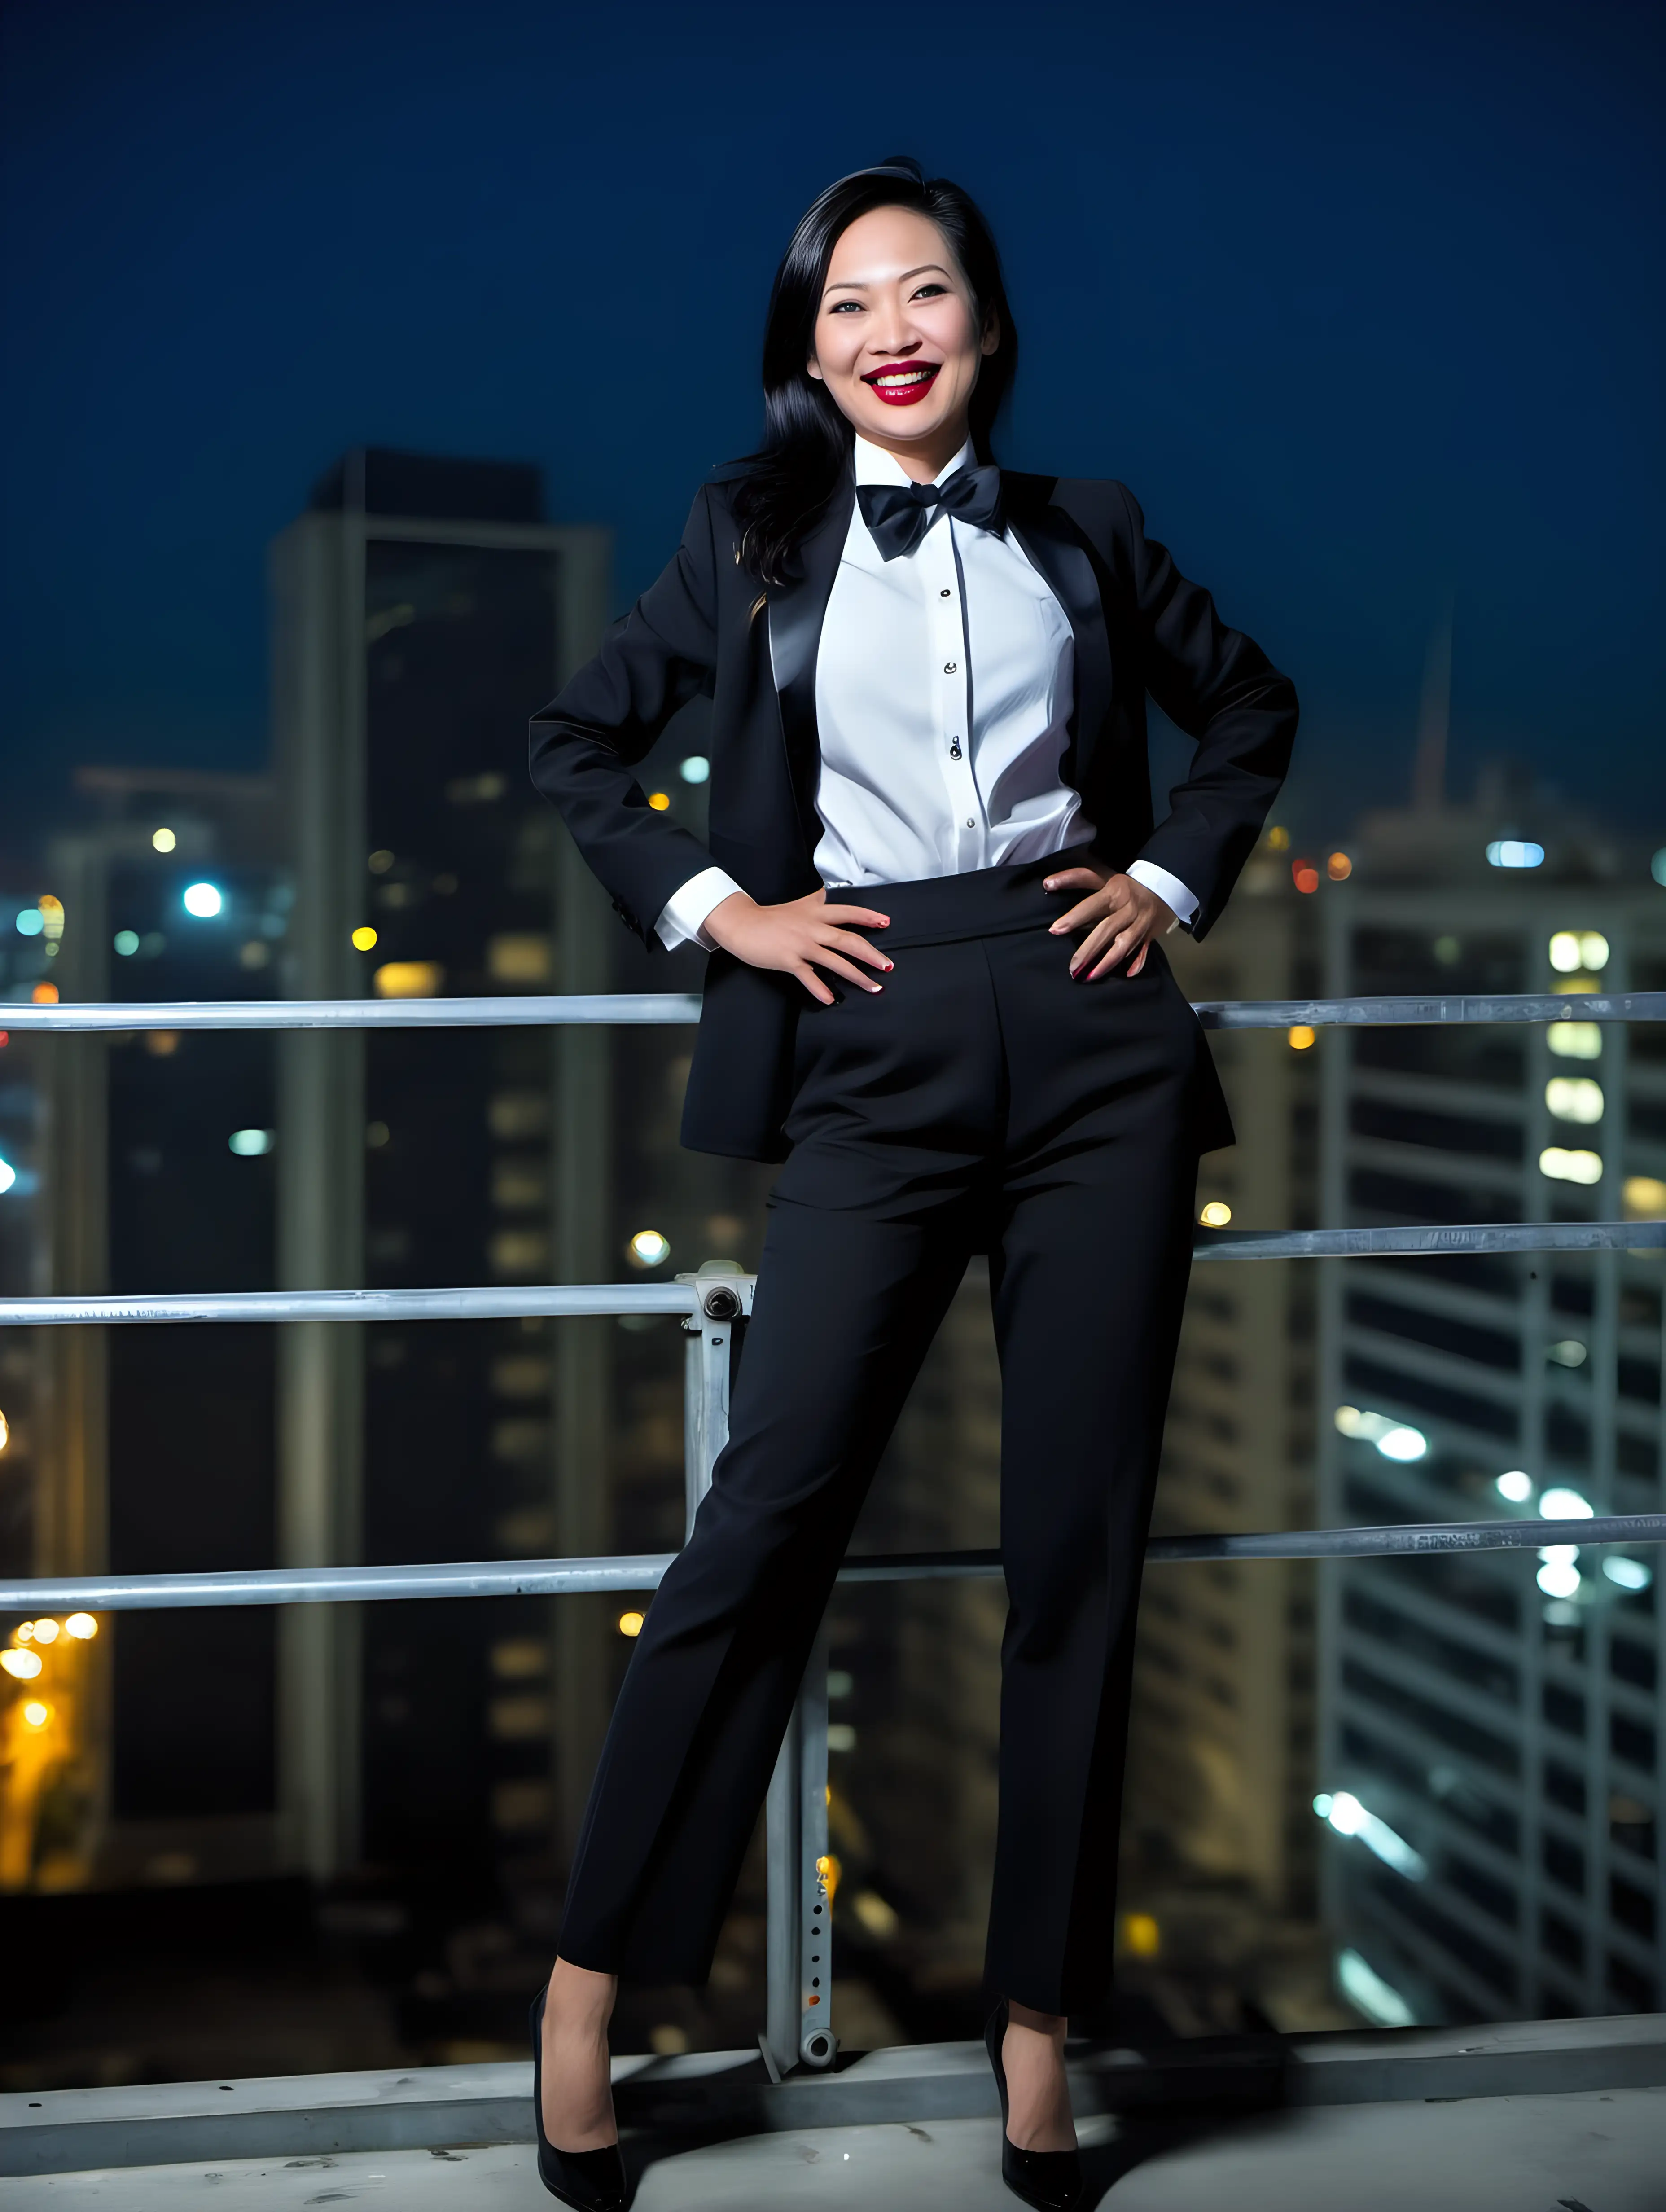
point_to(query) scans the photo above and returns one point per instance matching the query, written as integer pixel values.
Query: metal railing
(713, 1302)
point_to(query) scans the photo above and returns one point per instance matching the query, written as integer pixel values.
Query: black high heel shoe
(587, 2180)
(1051, 2180)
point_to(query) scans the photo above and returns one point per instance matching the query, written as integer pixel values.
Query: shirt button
(950, 667)
(942, 595)
(970, 824)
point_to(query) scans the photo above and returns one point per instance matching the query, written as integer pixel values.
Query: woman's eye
(839, 306)
(931, 291)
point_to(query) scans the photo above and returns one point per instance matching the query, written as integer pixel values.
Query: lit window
(1514, 852)
(1644, 1198)
(1564, 1166)
(1574, 1098)
(408, 979)
(1575, 1040)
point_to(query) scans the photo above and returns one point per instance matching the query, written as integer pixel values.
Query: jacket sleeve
(1220, 688)
(585, 743)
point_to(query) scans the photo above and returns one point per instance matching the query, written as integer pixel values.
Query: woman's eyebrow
(861, 284)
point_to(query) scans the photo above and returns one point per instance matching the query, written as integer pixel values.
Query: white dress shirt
(944, 683)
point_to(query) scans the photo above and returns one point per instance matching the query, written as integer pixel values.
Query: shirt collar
(874, 465)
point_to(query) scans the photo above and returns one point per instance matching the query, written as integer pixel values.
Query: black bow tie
(899, 516)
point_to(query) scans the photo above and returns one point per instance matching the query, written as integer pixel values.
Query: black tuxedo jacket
(706, 626)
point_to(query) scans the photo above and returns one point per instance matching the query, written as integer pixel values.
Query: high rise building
(422, 609)
(1488, 1766)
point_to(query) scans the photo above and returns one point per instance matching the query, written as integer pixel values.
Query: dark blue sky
(1364, 303)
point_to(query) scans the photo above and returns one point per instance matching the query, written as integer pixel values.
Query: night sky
(1363, 302)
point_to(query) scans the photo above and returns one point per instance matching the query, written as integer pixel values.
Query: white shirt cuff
(684, 916)
(1169, 888)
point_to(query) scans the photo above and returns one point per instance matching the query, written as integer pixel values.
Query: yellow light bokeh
(36, 1715)
(1339, 868)
(631, 1624)
(1216, 1214)
(829, 1870)
(1278, 841)
(22, 1665)
(408, 979)
(44, 994)
(5, 1433)
(659, 800)
(1302, 1038)
(1644, 1198)
(164, 840)
(46, 1632)
(82, 1626)
(648, 1248)
(364, 940)
(1142, 1935)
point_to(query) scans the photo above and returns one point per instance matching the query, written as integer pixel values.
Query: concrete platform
(1591, 2151)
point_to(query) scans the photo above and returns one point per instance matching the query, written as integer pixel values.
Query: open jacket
(705, 627)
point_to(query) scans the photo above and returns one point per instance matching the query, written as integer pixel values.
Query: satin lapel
(797, 610)
(1060, 551)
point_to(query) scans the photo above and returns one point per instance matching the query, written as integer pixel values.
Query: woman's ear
(813, 367)
(991, 334)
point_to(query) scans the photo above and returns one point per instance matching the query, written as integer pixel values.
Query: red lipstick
(903, 381)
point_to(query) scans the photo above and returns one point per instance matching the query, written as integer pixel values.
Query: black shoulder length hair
(787, 483)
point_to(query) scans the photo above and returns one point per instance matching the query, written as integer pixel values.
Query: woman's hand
(1125, 918)
(799, 937)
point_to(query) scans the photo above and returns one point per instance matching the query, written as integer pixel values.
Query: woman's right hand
(799, 937)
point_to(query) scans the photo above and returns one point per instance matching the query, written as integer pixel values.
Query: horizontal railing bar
(680, 1006)
(643, 1570)
(570, 1299)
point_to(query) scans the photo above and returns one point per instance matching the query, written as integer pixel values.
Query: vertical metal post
(723, 1298)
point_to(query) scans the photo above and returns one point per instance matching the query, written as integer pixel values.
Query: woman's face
(897, 340)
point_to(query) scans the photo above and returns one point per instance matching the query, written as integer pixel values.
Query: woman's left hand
(1124, 917)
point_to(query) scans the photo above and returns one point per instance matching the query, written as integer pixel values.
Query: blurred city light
(249, 1143)
(51, 917)
(1575, 1040)
(163, 840)
(1629, 1574)
(126, 942)
(631, 1624)
(696, 769)
(1517, 1485)
(31, 922)
(1305, 875)
(1574, 1098)
(1514, 852)
(1568, 1352)
(82, 1626)
(203, 900)
(44, 994)
(22, 1666)
(5, 1433)
(408, 979)
(1142, 1935)
(1657, 865)
(659, 800)
(35, 1715)
(381, 861)
(1339, 868)
(1564, 1166)
(1216, 1214)
(1593, 948)
(1559, 1576)
(8, 1176)
(1363, 1987)
(1394, 1439)
(1565, 953)
(1301, 1037)
(46, 1632)
(1350, 1818)
(364, 940)
(1277, 840)
(648, 1248)
(1644, 1198)
(1560, 1505)
(879, 1917)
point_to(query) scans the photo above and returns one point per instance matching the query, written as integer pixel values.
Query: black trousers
(983, 1100)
